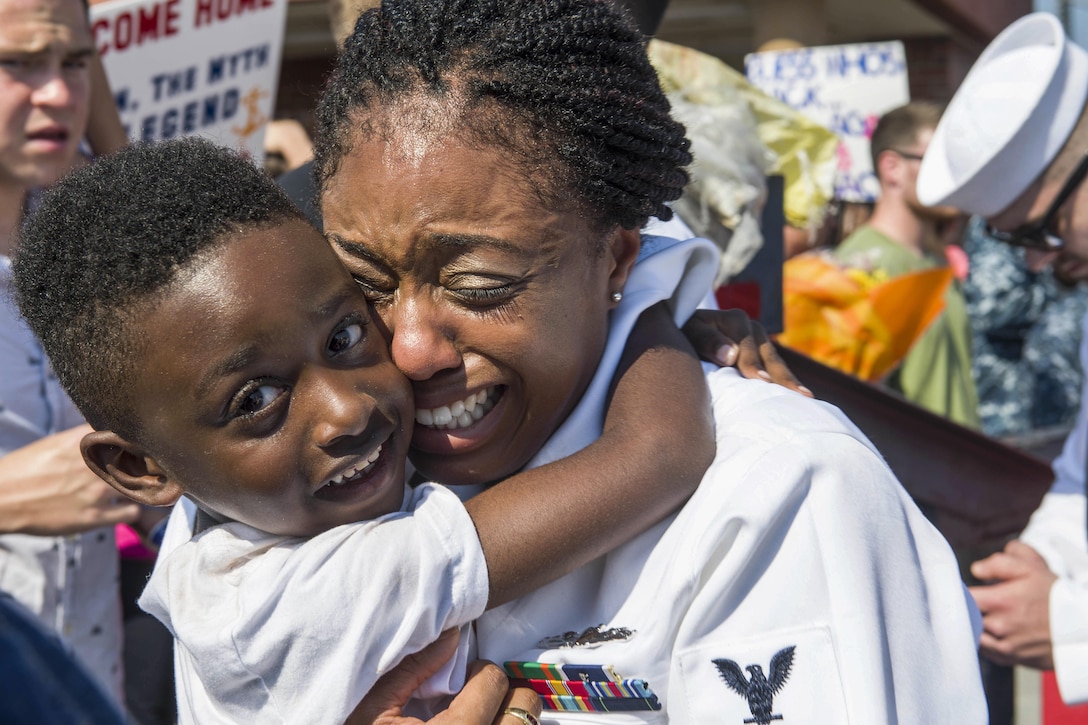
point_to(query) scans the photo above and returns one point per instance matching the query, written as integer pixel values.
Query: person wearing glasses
(1026, 336)
(903, 235)
(1011, 147)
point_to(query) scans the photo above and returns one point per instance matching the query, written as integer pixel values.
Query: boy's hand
(47, 490)
(483, 700)
(730, 339)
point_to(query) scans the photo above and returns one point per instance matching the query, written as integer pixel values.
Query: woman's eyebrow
(462, 241)
(445, 240)
(355, 249)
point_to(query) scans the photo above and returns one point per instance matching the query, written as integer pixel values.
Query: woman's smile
(495, 303)
(461, 425)
(459, 414)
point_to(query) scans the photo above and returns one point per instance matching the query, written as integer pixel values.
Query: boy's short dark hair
(108, 240)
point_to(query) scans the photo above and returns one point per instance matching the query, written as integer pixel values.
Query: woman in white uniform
(484, 168)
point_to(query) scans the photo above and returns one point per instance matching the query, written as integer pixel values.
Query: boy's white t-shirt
(274, 629)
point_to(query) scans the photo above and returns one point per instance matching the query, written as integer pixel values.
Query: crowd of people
(445, 407)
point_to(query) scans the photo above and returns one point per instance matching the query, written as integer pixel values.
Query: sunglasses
(1037, 234)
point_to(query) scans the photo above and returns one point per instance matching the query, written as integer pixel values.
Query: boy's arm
(485, 695)
(730, 338)
(657, 442)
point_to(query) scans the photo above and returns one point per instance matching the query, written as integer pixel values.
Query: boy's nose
(341, 409)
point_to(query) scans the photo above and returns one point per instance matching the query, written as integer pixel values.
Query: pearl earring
(617, 296)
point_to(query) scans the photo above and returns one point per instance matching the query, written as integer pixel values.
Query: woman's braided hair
(544, 80)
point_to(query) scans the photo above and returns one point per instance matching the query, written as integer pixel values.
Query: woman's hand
(483, 701)
(730, 339)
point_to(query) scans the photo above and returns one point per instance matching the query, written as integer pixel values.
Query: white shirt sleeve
(676, 228)
(278, 629)
(1058, 531)
(828, 555)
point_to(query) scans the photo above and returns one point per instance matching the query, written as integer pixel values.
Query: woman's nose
(423, 343)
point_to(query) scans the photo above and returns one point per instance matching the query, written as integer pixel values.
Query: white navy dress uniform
(799, 583)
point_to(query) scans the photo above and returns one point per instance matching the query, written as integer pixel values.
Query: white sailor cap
(1008, 119)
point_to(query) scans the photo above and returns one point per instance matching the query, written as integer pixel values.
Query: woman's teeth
(356, 470)
(461, 414)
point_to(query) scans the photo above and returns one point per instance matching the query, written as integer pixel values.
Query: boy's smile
(266, 394)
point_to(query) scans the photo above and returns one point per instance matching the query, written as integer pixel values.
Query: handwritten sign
(182, 67)
(846, 88)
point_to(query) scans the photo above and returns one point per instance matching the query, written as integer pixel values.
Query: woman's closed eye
(482, 289)
(486, 295)
(374, 291)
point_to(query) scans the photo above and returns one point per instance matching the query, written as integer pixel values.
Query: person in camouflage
(1025, 337)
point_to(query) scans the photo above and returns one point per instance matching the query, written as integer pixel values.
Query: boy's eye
(255, 399)
(346, 338)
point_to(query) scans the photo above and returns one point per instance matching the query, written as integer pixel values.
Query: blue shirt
(43, 683)
(1026, 329)
(70, 582)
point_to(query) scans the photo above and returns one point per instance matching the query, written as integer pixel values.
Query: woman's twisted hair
(543, 80)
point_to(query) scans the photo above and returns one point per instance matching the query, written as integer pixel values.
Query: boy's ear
(624, 247)
(128, 468)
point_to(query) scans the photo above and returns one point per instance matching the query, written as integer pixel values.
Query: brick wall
(301, 81)
(936, 66)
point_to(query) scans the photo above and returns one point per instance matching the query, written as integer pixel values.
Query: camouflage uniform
(1026, 331)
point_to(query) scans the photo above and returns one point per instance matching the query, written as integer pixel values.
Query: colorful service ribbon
(585, 688)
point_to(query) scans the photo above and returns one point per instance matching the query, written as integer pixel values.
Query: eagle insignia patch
(758, 689)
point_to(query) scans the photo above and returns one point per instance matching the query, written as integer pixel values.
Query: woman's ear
(127, 467)
(624, 247)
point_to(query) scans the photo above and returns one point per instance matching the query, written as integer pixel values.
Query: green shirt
(936, 373)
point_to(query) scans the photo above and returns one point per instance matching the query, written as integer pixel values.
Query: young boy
(230, 357)
(220, 350)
